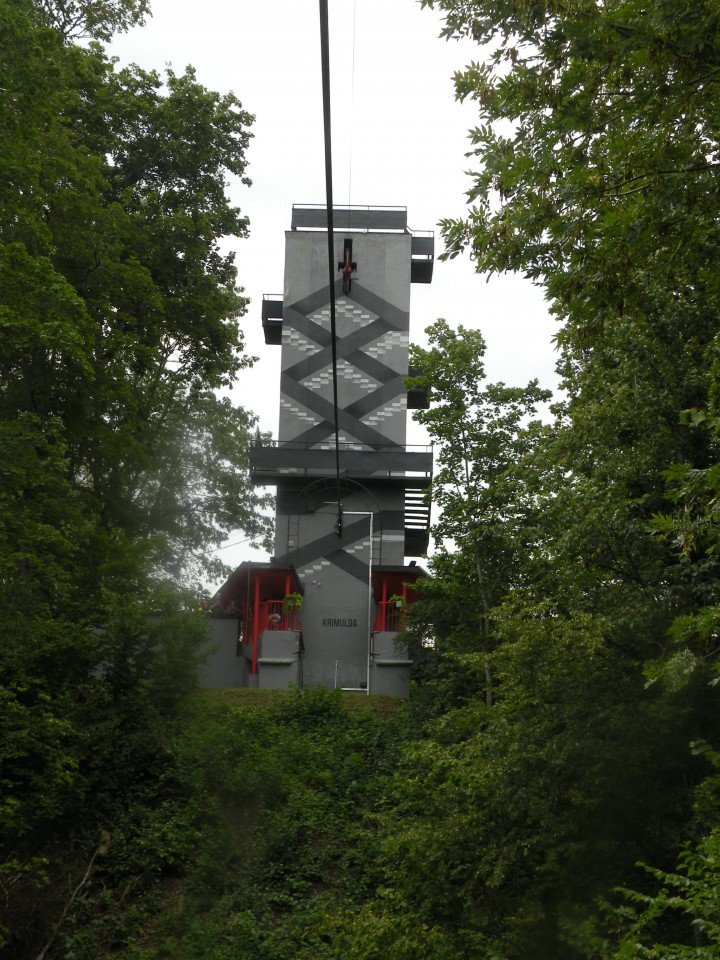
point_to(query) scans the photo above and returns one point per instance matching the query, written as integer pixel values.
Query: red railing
(273, 617)
(389, 617)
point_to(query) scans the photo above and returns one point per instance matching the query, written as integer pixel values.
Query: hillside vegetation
(313, 825)
(254, 824)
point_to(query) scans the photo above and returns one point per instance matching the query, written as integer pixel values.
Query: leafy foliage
(595, 175)
(259, 829)
(483, 434)
(119, 465)
(99, 19)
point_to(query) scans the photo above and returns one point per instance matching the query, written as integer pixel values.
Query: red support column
(286, 616)
(256, 627)
(384, 604)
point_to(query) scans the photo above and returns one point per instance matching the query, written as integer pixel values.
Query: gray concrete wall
(390, 665)
(383, 261)
(334, 573)
(390, 680)
(372, 323)
(335, 608)
(223, 667)
(279, 659)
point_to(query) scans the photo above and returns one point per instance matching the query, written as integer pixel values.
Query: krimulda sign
(339, 622)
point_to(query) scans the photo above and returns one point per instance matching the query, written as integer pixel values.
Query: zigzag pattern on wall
(328, 549)
(369, 329)
(298, 411)
(346, 371)
(344, 310)
(293, 339)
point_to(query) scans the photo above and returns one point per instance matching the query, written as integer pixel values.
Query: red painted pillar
(286, 616)
(256, 628)
(384, 604)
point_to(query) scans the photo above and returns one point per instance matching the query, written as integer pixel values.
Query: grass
(382, 706)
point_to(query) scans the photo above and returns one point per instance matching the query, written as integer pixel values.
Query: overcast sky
(399, 138)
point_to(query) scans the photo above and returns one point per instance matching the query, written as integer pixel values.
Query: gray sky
(399, 138)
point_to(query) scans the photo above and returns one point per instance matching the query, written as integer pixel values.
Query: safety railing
(389, 617)
(261, 442)
(271, 616)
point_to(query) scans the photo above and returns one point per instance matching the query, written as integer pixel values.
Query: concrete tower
(342, 632)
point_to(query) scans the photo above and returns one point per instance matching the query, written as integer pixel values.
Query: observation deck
(276, 460)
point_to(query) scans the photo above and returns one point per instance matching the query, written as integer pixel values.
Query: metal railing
(346, 445)
(271, 616)
(355, 217)
(389, 617)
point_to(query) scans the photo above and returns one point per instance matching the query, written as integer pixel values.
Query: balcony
(272, 318)
(272, 616)
(394, 592)
(272, 461)
(422, 256)
(390, 617)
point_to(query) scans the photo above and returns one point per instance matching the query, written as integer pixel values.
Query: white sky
(399, 138)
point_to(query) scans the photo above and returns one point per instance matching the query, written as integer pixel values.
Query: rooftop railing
(313, 216)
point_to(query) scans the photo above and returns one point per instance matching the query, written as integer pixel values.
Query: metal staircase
(417, 521)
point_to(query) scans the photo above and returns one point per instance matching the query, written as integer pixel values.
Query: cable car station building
(327, 607)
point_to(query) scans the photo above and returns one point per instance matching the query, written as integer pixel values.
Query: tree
(596, 176)
(120, 467)
(482, 432)
(99, 19)
(597, 148)
(120, 311)
(597, 153)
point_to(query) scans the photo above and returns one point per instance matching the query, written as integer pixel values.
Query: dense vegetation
(119, 467)
(552, 787)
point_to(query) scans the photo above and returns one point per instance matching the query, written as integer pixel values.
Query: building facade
(327, 608)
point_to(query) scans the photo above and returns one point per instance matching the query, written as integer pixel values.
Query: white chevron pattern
(298, 412)
(387, 343)
(384, 413)
(345, 370)
(293, 339)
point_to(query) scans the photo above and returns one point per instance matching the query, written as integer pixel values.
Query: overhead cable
(325, 62)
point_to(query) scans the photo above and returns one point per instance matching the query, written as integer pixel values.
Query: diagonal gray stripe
(400, 319)
(358, 338)
(317, 299)
(345, 345)
(349, 564)
(313, 331)
(325, 409)
(321, 548)
(376, 399)
(321, 431)
(308, 328)
(326, 430)
(371, 366)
